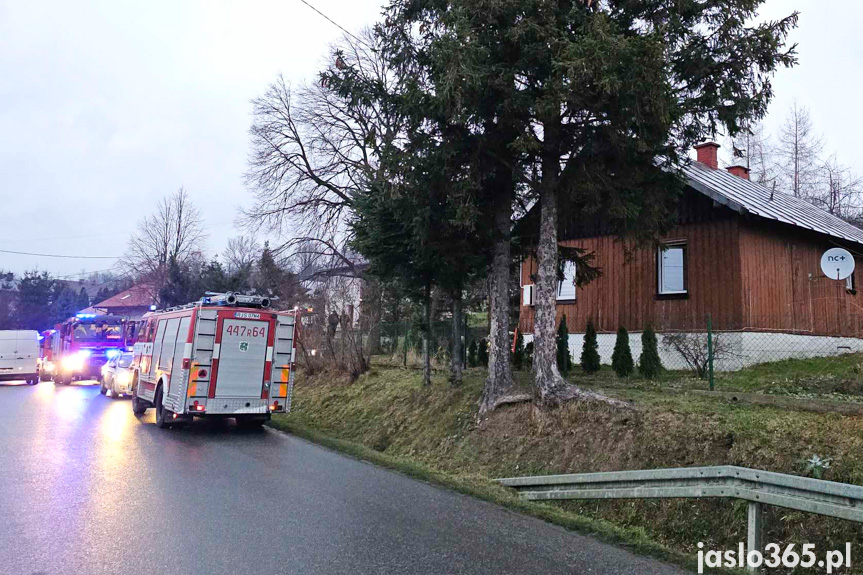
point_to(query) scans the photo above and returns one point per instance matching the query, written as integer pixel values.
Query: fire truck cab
(81, 345)
(226, 355)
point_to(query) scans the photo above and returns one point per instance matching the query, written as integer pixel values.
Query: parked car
(117, 375)
(19, 356)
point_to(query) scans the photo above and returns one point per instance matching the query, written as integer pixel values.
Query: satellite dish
(837, 263)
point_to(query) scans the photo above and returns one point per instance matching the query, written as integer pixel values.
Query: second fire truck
(227, 355)
(80, 346)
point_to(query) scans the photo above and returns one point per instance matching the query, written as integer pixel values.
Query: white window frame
(659, 280)
(849, 283)
(527, 295)
(569, 271)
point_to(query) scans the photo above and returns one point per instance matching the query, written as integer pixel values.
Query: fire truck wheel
(163, 415)
(139, 406)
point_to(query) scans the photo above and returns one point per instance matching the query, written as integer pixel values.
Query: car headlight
(73, 362)
(123, 377)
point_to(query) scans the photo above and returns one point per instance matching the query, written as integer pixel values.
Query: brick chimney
(739, 171)
(707, 154)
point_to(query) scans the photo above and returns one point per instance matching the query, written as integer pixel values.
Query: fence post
(753, 530)
(405, 361)
(464, 347)
(710, 351)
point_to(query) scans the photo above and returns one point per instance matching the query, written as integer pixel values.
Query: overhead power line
(60, 256)
(336, 24)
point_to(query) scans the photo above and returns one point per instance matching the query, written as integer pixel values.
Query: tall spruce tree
(592, 104)
(472, 77)
(421, 225)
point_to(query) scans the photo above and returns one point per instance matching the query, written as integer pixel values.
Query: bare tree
(694, 350)
(753, 148)
(174, 231)
(840, 190)
(313, 151)
(241, 254)
(798, 151)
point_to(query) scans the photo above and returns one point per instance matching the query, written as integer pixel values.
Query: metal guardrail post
(754, 530)
(756, 487)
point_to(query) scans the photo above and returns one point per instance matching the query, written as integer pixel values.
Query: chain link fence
(402, 342)
(729, 347)
(737, 345)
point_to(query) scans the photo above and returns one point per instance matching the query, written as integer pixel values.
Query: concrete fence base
(742, 349)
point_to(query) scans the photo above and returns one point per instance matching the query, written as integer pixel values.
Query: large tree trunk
(499, 379)
(370, 315)
(456, 365)
(547, 379)
(550, 388)
(427, 334)
(549, 385)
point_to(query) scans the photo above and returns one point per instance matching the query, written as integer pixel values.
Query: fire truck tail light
(186, 363)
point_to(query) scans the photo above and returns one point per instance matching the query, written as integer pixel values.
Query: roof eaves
(716, 196)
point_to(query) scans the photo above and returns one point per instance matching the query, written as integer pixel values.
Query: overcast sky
(105, 106)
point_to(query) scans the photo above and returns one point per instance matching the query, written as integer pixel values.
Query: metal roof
(747, 197)
(140, 295)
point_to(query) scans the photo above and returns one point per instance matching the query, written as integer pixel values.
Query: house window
(849, 283)
(566, 288)
(672, 268)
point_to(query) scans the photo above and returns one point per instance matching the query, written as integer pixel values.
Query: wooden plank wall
(625, 294)
(785, 289)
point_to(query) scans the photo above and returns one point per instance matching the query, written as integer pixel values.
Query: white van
(19, 355)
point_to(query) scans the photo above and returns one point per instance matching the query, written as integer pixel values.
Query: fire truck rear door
(242, 354)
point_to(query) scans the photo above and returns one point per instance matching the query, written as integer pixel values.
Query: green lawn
(829, 378)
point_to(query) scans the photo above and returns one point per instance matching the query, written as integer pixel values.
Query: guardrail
(840, 500)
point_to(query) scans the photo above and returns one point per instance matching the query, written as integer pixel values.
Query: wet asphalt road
(87, 488)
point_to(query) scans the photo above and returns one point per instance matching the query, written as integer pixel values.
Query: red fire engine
(227, 355)
(80, 346)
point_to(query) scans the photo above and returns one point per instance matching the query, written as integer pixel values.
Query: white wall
(746, 348)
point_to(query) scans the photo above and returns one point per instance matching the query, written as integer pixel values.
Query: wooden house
(747, 256)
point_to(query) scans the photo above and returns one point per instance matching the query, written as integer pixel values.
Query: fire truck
(80, 346)
(227, 355)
